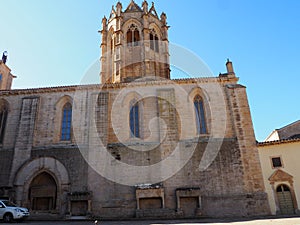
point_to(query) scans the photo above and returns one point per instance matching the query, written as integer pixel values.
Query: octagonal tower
(134, 44)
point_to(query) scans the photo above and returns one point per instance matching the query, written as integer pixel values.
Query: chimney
(6, 77)
(229, 67)
(4, 57)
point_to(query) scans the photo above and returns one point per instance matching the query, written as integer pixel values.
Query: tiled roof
(277, 142)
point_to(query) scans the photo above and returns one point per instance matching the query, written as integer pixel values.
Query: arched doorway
(285, 200)
(43, 192)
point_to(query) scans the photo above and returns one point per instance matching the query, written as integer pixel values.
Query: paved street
(287, 221)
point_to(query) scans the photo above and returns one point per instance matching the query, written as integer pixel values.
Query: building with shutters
(137, 145)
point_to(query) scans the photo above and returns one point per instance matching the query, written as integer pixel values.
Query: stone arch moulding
(58, 111)
(198, 91)
(128, 23)
(62, 101)
(125, 101)
(111, 31)
(31, 169)
(155, 27)
(131, 95)
(206, 101)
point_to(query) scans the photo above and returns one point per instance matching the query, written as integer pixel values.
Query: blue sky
(53, 43)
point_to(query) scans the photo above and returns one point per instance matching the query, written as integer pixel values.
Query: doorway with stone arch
(285, 199)
(42, 185)
(283, 188)
(43, 192)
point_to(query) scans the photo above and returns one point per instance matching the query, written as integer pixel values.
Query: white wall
(290, 155)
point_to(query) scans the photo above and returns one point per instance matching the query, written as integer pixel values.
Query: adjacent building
(278, 156)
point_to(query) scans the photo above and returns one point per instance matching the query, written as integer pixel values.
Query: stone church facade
(138, 145)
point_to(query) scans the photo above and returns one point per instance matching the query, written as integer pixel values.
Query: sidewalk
(248, 221)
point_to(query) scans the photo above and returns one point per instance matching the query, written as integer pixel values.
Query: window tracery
(154, 41)
(133, 35)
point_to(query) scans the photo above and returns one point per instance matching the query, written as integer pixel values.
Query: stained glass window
(200, 115)
(134, 120)
(66, 122)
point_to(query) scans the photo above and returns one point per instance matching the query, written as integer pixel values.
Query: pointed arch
(134, 119)
(200, 115)
(32, 169)
(43, 192)
(62, 101)
(126, 25)
(133, 101)
(154, 41)
(156, 28)
(155, 37)
(63, 119)
(110, 39)
(131, 97)
(200, 94)
(66, 122)
(133, 35)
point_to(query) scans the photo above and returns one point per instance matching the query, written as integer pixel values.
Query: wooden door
(285, 200)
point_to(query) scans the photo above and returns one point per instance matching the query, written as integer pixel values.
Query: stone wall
(221, 188)
(222, 164)
(25, 133)
(72, 159)
(5, 168)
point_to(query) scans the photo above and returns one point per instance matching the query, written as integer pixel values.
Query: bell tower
(134, 44)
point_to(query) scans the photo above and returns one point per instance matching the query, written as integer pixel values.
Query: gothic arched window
(200, 115)
(3, 118)
(134, 120)
(154, 41)
(133, 36)
(66, 122)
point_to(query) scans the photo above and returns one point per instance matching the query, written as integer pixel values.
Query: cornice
(108, 86)
(277, 142)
